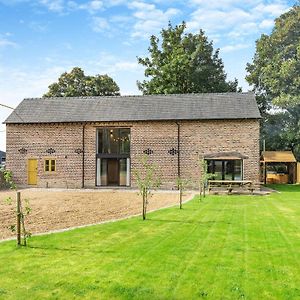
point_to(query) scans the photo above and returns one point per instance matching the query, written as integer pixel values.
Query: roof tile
(136, 108)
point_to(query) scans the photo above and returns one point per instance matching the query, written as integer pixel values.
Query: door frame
(98, 163)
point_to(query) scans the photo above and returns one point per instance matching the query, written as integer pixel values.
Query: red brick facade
(196, 139)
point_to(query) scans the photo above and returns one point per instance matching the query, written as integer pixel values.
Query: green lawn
(225, 247)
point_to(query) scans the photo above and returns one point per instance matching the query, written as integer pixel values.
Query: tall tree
(275, 76)
(76, 83)
(183, 63)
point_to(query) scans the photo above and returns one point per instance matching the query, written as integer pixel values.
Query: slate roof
(210, 106)
(225, 155)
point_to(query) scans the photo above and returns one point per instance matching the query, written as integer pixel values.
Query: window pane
(47, 168)
(218, 170)
(238, 170)
(103, 172)
(123, 171)
(52, 165)
(209, 166)
(103, 140)
(124, 141)
(228, 165)
(100, 141)
(114, 141)
(98, 168)
(128, 172)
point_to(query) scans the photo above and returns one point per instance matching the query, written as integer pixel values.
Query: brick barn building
(99, 141)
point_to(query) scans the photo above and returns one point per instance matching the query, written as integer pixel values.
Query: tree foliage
(183, 63)
(146, 179)
(182, 184)
(204, 176)
(275, 76)
(76, 83)
(20, 212)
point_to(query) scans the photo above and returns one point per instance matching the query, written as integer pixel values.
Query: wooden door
(113, 172)
(32, 171)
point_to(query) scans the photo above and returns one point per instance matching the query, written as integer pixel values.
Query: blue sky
(40, 39)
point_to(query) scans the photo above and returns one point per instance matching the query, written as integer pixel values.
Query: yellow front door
(32, 171)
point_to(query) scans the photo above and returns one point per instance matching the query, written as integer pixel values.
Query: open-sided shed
(278, 167)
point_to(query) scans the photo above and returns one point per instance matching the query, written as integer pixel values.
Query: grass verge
(225, 247)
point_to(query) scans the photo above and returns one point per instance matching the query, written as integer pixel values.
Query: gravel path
(56, 209)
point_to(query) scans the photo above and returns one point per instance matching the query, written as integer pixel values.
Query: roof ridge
(193, 106)
(138, 96)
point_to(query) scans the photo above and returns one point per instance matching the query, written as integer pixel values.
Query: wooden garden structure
(278, 167)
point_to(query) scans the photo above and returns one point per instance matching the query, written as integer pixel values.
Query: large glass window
(113, 156)
(225, 169)
(112, 171)
(113, 141)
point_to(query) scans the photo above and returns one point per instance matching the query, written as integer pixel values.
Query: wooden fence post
(19, 218)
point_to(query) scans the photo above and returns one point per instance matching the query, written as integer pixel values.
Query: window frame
(112, 155)
(50, 160)
(223, 170)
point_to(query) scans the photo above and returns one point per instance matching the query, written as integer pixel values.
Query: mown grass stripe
(226, 247)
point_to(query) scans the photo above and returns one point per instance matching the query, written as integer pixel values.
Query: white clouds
(4, 42)
(213, 20)
(221, 4)
(53, 5)
(126, 66)
(266, 24)
(99, 24)
(235, 20)
(38, 26)
(95, 5)
(91, 6)
(274, 10)
(236, 47)
(111, 64)
(20, 83)
(150, 19)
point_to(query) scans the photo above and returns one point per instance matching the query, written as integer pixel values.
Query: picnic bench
(231, 184)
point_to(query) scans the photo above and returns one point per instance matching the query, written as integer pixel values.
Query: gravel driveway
(56, 209)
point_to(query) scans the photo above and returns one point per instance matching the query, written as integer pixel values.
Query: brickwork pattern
(196, 139)
(36, 140)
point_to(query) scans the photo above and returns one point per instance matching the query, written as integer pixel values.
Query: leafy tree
(275, 77)
(182, 184)
(146, 181)
(183, 63)
(21, 212)
(76, 83)
(204, 176)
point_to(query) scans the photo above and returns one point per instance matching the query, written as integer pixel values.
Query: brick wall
(36, 140)
(196, 138)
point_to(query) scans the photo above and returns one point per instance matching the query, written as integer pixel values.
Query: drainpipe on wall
(178, 149)
(83, 150)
